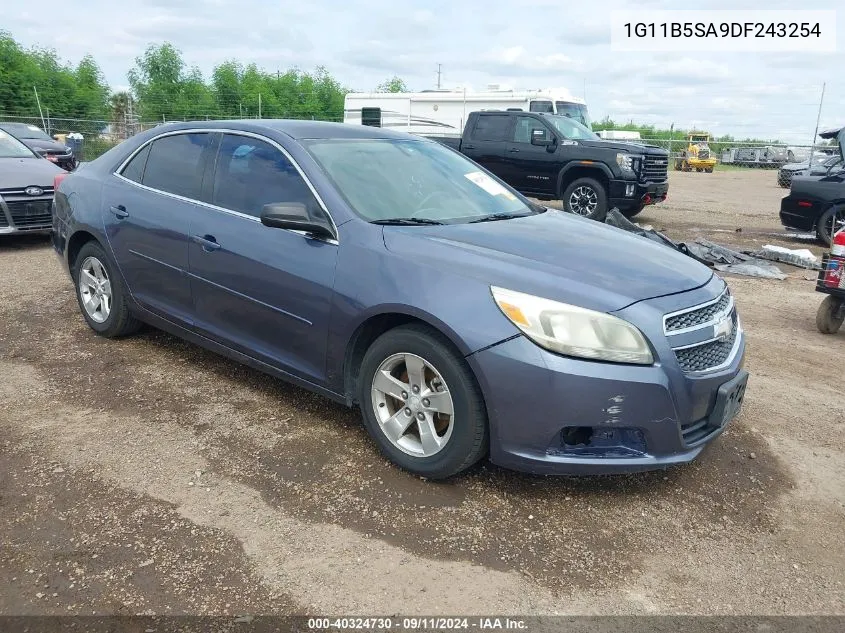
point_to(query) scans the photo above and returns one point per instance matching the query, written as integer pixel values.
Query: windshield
(700, 139)
(570, 128)
(11, 147)
(574, 111)
(385, 179)
(21, 130)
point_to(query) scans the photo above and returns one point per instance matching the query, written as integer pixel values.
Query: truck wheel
(826, 318)
(586, 197)
(709, 170)
(831, 221)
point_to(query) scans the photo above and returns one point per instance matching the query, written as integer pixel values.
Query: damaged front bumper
(561, 415)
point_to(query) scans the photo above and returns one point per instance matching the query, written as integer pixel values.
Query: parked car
(550, 157)
(39, 141)
(820, 165)
(817, 203)
(26, 188)
(385, 270)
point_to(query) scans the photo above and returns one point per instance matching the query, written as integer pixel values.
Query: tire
(709, 170)
(826, 319)
(93, 265)
(824, 225)
(462, 436)
(587, 194)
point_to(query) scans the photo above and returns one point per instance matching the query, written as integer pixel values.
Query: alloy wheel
(95, 289)
(413, 405)
(583, 200)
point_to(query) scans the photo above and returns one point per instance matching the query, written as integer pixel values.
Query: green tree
(394, 84)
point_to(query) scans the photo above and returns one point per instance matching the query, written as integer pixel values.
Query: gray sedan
(26, 188)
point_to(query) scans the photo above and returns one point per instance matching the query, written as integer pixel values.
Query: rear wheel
(421, 403)
(586, 197)
(829, 318)
(100, 294)
(709, 170)
(831, 221)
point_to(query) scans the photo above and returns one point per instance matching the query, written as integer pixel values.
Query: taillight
(57, 180)
(804, 203)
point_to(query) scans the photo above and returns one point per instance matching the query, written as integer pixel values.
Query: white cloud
(532, 44)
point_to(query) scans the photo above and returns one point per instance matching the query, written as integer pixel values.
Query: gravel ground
(148, 476)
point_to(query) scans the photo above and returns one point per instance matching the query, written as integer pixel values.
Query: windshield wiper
(500, 216)
(407, 221)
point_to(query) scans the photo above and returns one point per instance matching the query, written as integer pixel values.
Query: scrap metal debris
(709, 253)
(799, 257)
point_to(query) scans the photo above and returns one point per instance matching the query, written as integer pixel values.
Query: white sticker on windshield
(489, 185)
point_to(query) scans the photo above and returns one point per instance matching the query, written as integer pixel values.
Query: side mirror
(541, 138)
(294, 216)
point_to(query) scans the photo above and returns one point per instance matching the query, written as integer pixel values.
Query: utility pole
(38, 101)
(438, 76)
(259, 105)
(818, 118)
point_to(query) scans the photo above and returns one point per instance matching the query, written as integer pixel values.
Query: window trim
(118, 173)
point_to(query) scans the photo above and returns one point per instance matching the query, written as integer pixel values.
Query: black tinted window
(251, 173)
(524, 126)
(491, 127)
(175, 164)
(135, 169)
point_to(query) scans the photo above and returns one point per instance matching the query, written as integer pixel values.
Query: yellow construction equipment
(697, 155)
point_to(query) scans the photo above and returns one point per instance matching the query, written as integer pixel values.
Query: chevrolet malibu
(389, 272)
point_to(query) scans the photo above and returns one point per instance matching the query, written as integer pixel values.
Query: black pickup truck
(553, 157)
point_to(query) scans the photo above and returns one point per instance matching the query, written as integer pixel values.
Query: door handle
(208, 242)
(119, 211)
(513, 150)
(468, 147)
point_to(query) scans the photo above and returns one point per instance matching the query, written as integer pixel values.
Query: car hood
(23, 172)
(44, 144)
(623, 146)
(554, 255)
(795, 166)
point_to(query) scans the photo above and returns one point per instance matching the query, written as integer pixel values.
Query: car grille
(3, 221)
(702, 323)
(707, 355)
(28, 214)
(655, 168)
(698, 316)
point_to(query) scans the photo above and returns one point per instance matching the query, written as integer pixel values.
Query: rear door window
(251, 173)
(175, 164)
(491, 127)
(134, 171)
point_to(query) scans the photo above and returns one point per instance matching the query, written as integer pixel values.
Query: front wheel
(829, 316)
(101, 294)
(586, 197)
(421, 404)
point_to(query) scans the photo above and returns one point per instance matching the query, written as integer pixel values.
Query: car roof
(297, 129)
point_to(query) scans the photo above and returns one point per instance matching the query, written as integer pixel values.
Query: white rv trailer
(445, 111)
(619, 135)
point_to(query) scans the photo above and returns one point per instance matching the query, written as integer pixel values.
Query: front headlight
(626, 162)
(573, 331)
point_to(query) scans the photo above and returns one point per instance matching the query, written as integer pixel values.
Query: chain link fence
(685, 154)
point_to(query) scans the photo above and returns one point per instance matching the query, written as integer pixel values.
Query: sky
(529, 44)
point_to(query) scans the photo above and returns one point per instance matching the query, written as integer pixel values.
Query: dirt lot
(148, 476)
